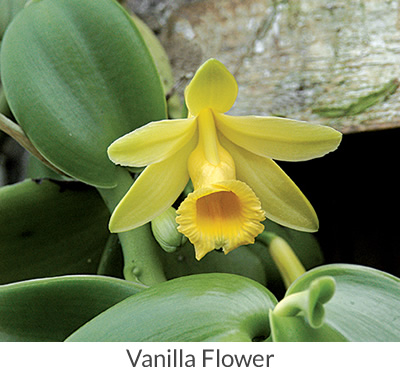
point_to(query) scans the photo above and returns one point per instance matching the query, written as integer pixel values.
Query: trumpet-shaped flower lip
(213, 86)
(152, 143)
(278, 138)
(223, 215)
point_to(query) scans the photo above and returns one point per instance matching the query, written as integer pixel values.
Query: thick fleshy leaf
(77, 76)
(213, 86)
(365, 307)
(51, 309)
(163, 65)
(8, 10)
(50, 228)
(152, 143)
(294, 329)
(205, 307)
(279, 138)
(281, 199)
(157, 187)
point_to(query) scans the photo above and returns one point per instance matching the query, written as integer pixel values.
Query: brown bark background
(328, 62)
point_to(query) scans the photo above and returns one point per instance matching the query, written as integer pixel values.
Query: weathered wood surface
(328, 62)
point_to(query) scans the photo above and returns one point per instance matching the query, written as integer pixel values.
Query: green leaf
(8, 10)
(294, 329)
(206, 307)
(161, 61)
(50, 309)
(365, 307)
(50, 228)
(77, 75)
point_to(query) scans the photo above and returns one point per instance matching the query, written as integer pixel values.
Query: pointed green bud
(165, 231)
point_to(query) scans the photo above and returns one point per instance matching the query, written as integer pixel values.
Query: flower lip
(223, 215)
(213, 86)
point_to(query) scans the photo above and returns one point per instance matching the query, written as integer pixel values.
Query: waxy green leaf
(205, 307)
(365, 307)
(8, 10)
(50, 228)
(77, 75)
(50, 309)
(161, 60)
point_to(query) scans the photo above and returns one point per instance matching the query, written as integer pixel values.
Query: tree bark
(326, 62)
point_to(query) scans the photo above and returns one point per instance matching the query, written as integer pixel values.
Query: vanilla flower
(230, 162)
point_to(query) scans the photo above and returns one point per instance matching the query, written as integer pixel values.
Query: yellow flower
(230, 162)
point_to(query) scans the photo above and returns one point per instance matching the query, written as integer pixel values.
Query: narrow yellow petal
(213, 86)
(153, 192)
(152, 143)
(223, 215)
(281, 199)
(279, 138)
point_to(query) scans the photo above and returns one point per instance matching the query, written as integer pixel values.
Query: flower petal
(281, 199)
(153, 192)
(213, 86)
(279, 138)
(152, 143)
(223, 215)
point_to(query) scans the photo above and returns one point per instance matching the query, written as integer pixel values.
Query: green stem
(285, 259)
(141, 252)
(292, 304)
(16, 132)
(4, 108)
(109, 256)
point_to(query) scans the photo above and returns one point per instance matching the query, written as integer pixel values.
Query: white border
(282, 356)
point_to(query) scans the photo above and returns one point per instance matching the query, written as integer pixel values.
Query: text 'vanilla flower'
(230, 162)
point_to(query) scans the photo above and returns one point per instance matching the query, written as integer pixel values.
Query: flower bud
(165, 231)
(284, 257)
